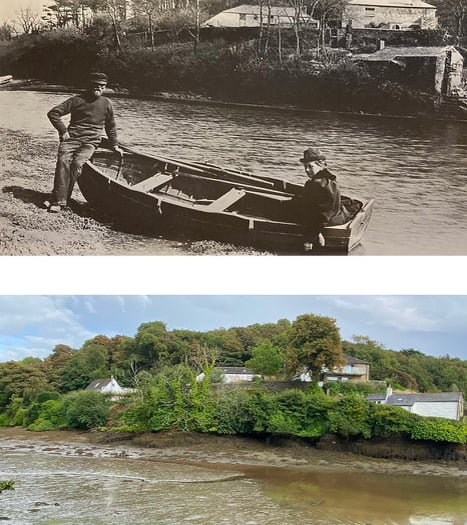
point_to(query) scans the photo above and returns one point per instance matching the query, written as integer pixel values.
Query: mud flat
(211, 450)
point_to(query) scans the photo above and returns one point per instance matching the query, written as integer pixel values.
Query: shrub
(86, 409)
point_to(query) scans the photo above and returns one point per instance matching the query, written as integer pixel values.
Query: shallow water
(85, 484)
(415, 170)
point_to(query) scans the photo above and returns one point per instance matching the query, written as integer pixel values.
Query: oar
(200, 167)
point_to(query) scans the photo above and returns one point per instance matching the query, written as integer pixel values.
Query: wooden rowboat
(203, 201)
(5, 79)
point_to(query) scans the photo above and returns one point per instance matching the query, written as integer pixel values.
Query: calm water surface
(60, 486)
(415, 170)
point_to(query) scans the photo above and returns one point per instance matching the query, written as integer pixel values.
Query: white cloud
(33, 325)
(408, 313)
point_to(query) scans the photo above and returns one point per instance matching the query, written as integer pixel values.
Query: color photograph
(246, 409)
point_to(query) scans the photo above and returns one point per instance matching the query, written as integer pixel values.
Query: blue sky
(34, 324)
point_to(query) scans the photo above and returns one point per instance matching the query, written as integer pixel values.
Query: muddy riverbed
(71, 478)
(214, 450)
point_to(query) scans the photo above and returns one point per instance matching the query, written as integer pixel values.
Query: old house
(254, 16)
(389, 14)
(437, 68)
(109, 386)
(445, 404)
(354, 369)
(232, 374)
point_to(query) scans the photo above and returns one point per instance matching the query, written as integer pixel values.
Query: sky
(31, 325)
(9, 8)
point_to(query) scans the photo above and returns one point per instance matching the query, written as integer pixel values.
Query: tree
(30, 20)
(148, 9)
(453, 16)
(267, 359)
(314, 344)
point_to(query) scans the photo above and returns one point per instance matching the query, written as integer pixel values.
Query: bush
(86, 409)
(439, 430)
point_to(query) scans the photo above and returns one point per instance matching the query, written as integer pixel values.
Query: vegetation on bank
(164, 366)
(244, 71)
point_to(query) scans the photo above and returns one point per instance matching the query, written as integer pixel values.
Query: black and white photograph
(246, 409)
(307, 127)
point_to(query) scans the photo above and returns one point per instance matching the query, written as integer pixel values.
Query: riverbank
(193, 98)
(208, 450)
(26, 228)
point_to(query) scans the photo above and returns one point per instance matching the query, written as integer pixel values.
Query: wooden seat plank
(226, 200)
(152, 183)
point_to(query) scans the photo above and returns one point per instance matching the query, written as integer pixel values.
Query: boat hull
(228, 215)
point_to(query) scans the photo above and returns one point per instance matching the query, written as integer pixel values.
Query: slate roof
(392, 53)
(410, 399)
(392, 3)
(255, 10)
(97, 384)
(238, 370)
(350, 360)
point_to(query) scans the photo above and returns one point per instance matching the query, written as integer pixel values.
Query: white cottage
(389, 14)
(251, 16)
(109, 386)
(445, 404)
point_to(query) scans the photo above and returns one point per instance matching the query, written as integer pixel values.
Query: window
(370, 11)
(242, 16)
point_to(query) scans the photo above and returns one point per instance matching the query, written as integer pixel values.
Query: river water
(60, 485)
(416, 170)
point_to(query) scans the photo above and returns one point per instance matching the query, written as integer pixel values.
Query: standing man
(89, 114)
(320, 204)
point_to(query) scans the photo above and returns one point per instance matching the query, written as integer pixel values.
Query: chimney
(381, 44)
(388, 392)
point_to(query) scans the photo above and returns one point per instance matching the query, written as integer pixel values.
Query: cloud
(408, 313)
(33, 325)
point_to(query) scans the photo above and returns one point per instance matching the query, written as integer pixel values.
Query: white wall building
(251, 16)
(445, 404)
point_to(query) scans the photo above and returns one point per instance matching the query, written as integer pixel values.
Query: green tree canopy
(314, 344)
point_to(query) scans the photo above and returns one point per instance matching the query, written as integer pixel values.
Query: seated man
(320, 203)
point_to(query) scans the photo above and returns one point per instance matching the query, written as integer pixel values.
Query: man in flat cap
(89, 114)
(320, 204)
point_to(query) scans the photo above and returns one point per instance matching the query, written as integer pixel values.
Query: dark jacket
(88, 117)
(320, 204)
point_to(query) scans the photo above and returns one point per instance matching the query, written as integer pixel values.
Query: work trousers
(72, 154)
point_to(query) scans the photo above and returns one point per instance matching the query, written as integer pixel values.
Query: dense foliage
(164, 367)
(264, 66)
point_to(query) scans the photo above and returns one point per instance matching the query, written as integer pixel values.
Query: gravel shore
(26, 228)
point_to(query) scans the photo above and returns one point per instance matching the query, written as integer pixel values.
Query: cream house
(254, 15)
(389, 14)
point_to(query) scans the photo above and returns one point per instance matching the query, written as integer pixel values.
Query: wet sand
(236, 453)
(26, 228)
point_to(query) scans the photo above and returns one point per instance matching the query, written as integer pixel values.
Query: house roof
(393, 53)
(350, 360)
(411, 399)
(393, 3)
(238, 370)
(97, 384)
(376, 397)
(255, 10)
